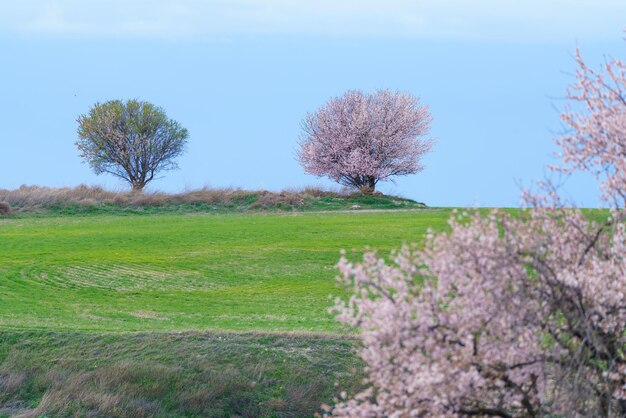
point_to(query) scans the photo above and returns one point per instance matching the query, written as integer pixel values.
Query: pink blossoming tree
(360, 139)
(509, 316)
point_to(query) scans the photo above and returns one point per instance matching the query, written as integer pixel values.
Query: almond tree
(359, 139)
(132, 140)
(509, 316)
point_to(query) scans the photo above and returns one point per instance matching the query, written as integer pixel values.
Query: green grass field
(182, 314)
(261, 272)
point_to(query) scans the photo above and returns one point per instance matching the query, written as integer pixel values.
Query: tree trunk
(368, 187)
(138, 187)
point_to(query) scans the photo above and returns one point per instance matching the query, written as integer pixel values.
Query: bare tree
(132, 140)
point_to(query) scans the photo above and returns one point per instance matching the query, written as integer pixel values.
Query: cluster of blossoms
(359, 139)
(510, 315)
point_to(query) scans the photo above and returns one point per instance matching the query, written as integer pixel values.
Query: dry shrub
(295, 197)
(114, 391)
(268, 199)
(11, 382)
(317, 192)
(5, 209)
(301, 398)
(36, 197)
(32, 197)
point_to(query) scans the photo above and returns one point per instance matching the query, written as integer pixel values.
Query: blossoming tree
(509, 316)
(360, 139)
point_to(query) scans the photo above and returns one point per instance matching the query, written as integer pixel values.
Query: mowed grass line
(240, 272)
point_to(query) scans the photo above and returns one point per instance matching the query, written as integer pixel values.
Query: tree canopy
(132, 140)
(359, 139)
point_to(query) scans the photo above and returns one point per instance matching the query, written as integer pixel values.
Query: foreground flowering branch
(507, 315)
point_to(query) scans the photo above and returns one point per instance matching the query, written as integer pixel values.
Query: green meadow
(259, 272)
(183, 314)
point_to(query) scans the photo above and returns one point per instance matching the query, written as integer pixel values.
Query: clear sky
(241, 74)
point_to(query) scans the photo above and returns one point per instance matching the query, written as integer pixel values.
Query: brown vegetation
(5, 209)
(172, 374)
(36, 197)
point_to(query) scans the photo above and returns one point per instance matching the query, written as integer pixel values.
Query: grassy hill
(90, 200)
(182, 314)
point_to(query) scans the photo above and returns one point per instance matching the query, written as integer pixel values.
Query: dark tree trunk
(369, 186)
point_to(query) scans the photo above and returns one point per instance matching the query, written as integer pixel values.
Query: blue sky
(241, 74)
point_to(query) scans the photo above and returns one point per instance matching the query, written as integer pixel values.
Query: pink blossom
(507, 315)
(360, 139)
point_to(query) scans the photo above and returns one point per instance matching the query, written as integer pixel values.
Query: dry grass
(5, 209)
(172, 374)
(37, 197)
